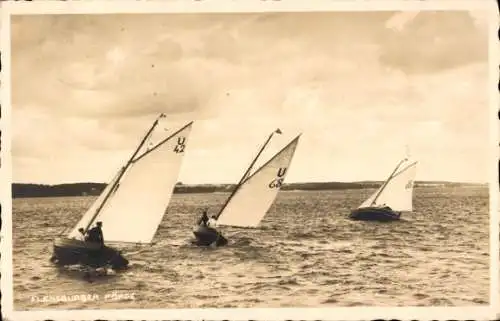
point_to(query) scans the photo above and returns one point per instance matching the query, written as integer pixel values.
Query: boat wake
(77, 272)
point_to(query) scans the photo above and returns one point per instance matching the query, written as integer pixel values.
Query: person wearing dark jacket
(95, 234)
(204, 219)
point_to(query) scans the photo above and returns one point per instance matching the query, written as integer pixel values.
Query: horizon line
(298, 182)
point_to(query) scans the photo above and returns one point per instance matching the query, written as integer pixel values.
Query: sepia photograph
(265, 159)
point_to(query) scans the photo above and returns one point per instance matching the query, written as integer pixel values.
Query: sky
(363, 88)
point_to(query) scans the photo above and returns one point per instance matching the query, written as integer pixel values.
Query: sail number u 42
(280, 176)
(181, 145)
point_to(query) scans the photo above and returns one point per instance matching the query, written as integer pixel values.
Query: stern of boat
(380, 214)
(68, 251)
(205, 236)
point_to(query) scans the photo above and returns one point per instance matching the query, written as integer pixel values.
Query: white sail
(251, 201)
(398, 192)
(87, 217)
(370, 199)
(135, 209)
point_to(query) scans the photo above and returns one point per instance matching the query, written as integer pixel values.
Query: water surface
(304, 254)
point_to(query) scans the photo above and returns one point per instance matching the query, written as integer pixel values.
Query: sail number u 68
(278, 181)
(181, 145)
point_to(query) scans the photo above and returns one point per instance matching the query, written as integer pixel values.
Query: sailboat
(132, 205)
(252, 197)
(392, 198)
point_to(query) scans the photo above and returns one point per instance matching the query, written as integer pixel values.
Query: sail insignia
(253, 197)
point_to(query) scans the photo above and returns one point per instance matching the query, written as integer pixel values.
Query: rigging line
(122, 171)
(387, 181)
(277, 131)
(257, 171)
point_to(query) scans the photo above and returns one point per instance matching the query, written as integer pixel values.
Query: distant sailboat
(252, 197)
(392, 198)
(131, 206)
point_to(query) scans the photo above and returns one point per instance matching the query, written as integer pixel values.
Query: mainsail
(87, 218)
(397, 190)
(133, 204)
(253, 197)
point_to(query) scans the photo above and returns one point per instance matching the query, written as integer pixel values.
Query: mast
(387, 181)
(122, 171)
(277, 131)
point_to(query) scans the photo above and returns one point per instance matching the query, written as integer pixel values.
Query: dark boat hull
(380, 214)
(72, 252)
(206, 236)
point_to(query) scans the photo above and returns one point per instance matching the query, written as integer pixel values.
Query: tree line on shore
(89, 189)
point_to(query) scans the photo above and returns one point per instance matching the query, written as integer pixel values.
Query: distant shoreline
(88, 189)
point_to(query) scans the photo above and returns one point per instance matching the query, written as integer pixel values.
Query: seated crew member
(212, 221)
(204, 219)
(95, 234)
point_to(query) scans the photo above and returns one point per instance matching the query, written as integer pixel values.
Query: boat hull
(381, 214)
(206, 236)
(68, 251)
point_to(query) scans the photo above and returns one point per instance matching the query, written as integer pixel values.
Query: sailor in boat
(95, 235)
(203, 219)
(212, 221)
(388, 208)
(206, 230)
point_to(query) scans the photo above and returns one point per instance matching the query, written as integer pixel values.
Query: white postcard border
(494, 104)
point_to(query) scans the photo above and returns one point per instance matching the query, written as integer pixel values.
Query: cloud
(89, 86)
(422, 43)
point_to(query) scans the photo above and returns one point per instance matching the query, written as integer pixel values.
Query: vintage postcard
(264, 160)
